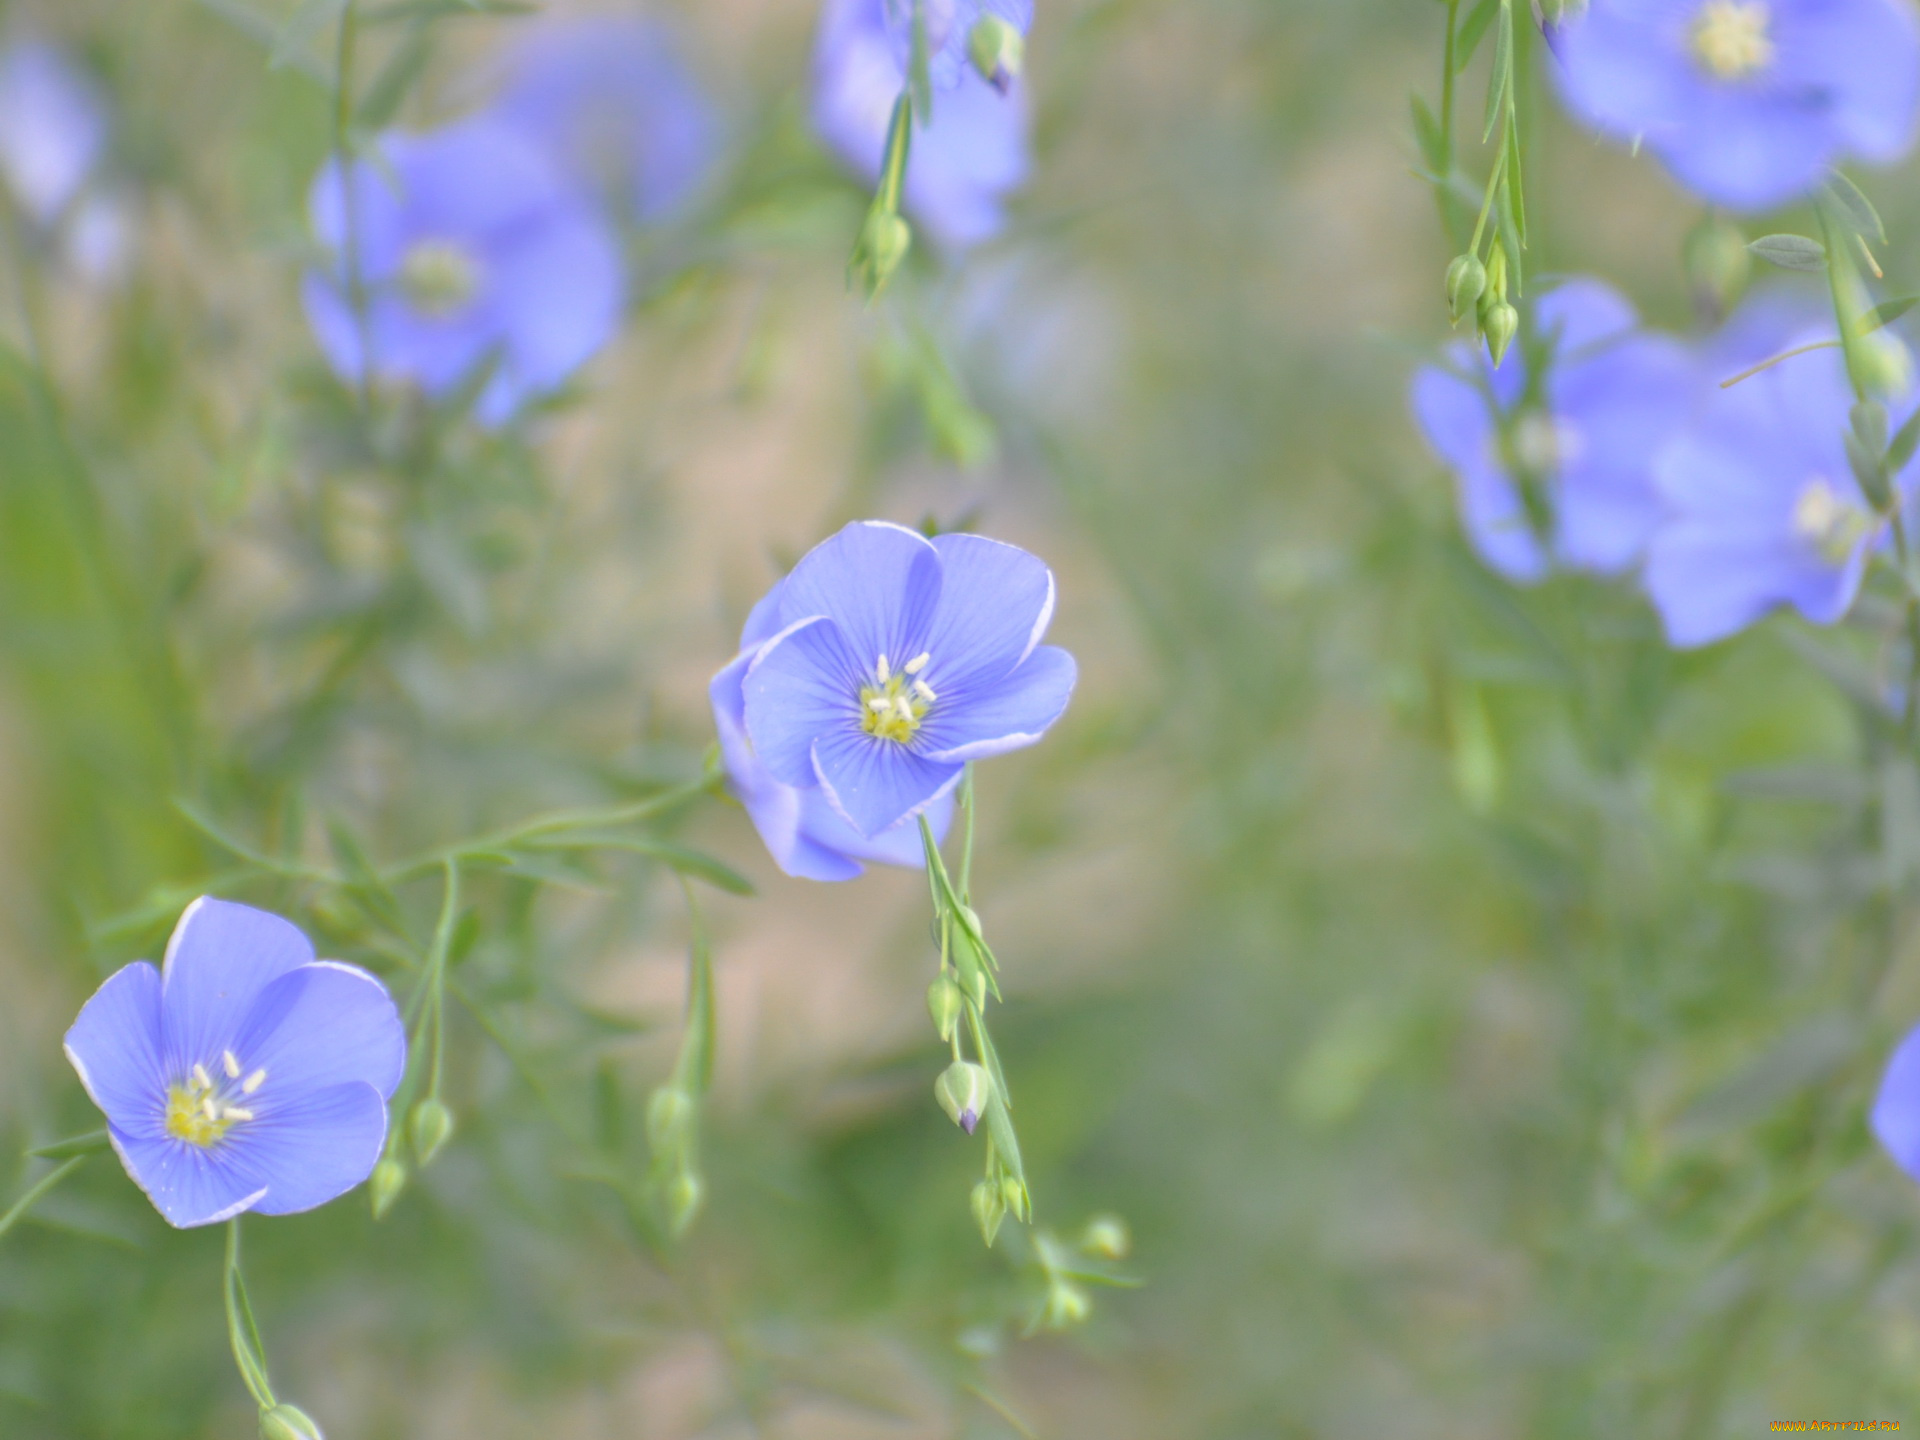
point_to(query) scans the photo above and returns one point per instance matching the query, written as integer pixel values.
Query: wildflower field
(849, 719)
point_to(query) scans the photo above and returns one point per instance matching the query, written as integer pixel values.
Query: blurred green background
(1470, 1004)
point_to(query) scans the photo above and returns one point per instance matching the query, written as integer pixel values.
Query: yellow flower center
(1730, 38)
(1829, 521)
(896, 701)
(200, 1110)
(439, 277)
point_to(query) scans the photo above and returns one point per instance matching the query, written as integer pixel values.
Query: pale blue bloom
(53, 129)
(1747, 102)
(611, 100)
(893, 660)
(960, 169)
(244, 1074)
(473, 249)
(1611, 395)
(1896, 1109)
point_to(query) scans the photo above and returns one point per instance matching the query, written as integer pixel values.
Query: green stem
(38, 1192)
(243, 1331)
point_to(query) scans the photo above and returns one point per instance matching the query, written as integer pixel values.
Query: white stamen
(882, 671)
(924, 691)
(234, 1112)
(209, 1108)
(918, 663)
(232, 1062)
(878, 704)
(903, 709)
(200, 1074)
(254, 1082)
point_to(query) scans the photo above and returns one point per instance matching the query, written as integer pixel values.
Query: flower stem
(39, 1191)
(243, 1331)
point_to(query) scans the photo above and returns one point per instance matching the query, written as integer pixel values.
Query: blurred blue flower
(472, 249)
(897, 659)
(612, 101)
(1761, 507)
(54, 128)
(806, 836)
(961, 167)
(1896, 1110)
(949, 26)
(244, 1074)
(1610, 396)
(1746, 101)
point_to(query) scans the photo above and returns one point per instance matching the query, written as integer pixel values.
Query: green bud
(1718, 265)
(1886, 368)
(988, 1210)
(884, 242)
(997, 51)
(288, 1422)
(1067, 1306)
(681, 1200)
(962, 1091)
(671, 1113)
(1013, 1194)
(1500, 323)
(1107, 1237)
(430, 1126)
(389, 1179)
(1466, 278)
(944, 1004)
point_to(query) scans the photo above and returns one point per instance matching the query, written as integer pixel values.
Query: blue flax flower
(1896, 1110)
(961, 167)
(806, 836)
(612, 101)
(949, 26)
(1746, 101)
(472, 250)
(1611, 395)
(54, 131)
(1761, 507)
(244, 1074)
(892, 661)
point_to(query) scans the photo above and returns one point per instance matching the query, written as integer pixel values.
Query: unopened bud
(1886, 367)
(1067, 1305)
(429, 1126)
(1466, 278)
(1718, 265)
(288, 1422)
(681, 1200)
(1018, 1202)
(988, 1210)
(670, 1118)
(997, 51)
(944, 1004)
(962, 1091)
(1107, 1237)
(389, 1179)
(1500, 322)
(884, 242)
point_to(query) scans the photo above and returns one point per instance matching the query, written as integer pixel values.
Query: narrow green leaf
(1790, 252)
(1855, 208)
(1426, 130)
(1900, 448)
(1886, 312)
(1502, 71)
(310, 19)
(1472, 30)
(91, 1143)
(396, 80)
(675, 857)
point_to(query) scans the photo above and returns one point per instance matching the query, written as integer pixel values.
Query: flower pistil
(896, 701)
(200, 1110)
(1731, 39)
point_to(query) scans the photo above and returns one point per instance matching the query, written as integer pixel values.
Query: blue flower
(1746, 101)
(1896, 1110)
(54, 129)
(961, 167)
(612, 101)
(472, 249)
(1611, 395)
(893, 660)
(1760, 505)
(949, 26)
(806, 836)
(244, 1074)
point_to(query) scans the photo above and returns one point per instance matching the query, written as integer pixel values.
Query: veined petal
(879, 582)
(115, 1047)
(188, 1185)
(306, 1153)
(996, 601)
(803, 684)
(221, 956)
(321, 1025)
(1011, 714)
(824, 828)
(874, 783)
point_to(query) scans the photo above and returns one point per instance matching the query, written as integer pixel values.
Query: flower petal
(307, 1153)
(558, 297)
(1896, 1110)
(321, 1025)
(1011, 714)
(188, 1185)
(874, 784)
(115, 1048)
(879, 581)
(221, 956)
(996, 601)
(803, 684)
